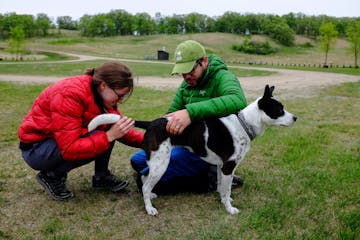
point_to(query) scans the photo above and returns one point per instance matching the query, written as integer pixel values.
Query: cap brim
(181, 68)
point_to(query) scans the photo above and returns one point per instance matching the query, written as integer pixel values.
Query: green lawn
(301, 182)
(138, 47)
(77, 68)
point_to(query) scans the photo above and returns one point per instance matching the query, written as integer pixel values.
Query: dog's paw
(153, 195)
(232, 210)
(151, 211)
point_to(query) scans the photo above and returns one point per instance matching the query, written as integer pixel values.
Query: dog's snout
(294, 118)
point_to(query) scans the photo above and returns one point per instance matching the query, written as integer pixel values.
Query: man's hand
(178, 121)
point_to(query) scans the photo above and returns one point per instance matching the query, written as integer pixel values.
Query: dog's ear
(268, 91)
(267, 96)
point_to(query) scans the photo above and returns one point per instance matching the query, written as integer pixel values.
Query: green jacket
(217, 94)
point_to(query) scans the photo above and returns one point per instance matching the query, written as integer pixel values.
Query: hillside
(139, 47)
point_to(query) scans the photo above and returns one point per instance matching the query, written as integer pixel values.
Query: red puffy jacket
(63, 111)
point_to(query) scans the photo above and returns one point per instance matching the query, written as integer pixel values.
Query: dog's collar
(248, 129)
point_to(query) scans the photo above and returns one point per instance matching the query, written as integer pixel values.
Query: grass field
(77, 68)
(300, 182)
(138, 47)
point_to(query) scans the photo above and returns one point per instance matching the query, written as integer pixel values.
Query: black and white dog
(219, 141)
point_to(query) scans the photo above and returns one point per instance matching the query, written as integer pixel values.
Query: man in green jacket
(208, 90)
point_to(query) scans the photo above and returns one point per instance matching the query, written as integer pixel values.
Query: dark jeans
(45, 156)
(186, 172)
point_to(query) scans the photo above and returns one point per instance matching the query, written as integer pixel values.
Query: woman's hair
(114, 74)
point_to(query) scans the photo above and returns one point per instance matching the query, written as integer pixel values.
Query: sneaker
(110, 182)
(237, 182)
(54, 186)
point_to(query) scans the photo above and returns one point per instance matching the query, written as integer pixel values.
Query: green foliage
(17, 42)
(328, 37)
(353, 36)
(143, 24)
(43, 23)
(98, 25)
(66, 22)
(307, 45)
(120, 22)
(278, 30)
(65, 41)
(123, 21)
(12, 20)
(253, 47)
(195, 23)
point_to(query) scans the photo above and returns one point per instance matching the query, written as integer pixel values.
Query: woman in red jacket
(54, 138)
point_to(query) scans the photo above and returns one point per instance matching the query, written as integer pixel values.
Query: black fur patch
(155, 134)
(192, 136)
(273, 108)
(220, 140)
(228, 167)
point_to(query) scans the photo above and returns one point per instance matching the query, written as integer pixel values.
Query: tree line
(120, 22)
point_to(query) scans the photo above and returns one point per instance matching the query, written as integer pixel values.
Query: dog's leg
(225, 192)
(158, 163)
(218, 178)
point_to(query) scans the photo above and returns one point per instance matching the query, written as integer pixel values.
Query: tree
(11, 20)
(327, 38)
(66, 22)
(277, 29)
(254, 23)
(123, 21)
(227, 22)
(143, 24)
(195, 23)
(43, 23)
(17, 42)
(353, 36)
(98, 25)
(175, 24)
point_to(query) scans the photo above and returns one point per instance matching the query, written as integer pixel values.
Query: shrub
(306, 45)
(253, 47)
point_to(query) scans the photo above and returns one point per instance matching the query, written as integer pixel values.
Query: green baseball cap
(186, 55)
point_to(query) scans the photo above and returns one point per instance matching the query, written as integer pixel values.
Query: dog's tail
(142, 124)
(109, 118)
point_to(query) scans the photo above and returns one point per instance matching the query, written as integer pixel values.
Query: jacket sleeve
(133, 138)
(67, 123)
(229, 99)
(177, 102)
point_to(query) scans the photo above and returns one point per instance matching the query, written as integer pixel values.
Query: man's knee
(138, 161)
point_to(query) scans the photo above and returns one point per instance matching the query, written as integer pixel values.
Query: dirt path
(289, 83)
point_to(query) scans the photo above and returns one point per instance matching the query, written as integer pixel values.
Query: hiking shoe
(237, 182)
(110, 182)
(54, 186)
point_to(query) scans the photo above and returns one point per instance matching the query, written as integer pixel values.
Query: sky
(212, 8)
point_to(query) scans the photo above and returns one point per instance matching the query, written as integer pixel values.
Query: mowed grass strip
(340, 58)
(301, 182)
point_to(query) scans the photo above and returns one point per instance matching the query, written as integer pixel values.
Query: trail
(288, 83)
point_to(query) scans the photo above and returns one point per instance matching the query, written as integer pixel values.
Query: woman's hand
(178, 121)
(120, 128)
